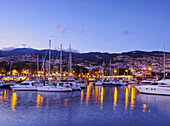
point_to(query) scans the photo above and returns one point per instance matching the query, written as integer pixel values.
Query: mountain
(91, 57)
(18, 51)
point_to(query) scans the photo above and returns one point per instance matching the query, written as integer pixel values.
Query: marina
(95, 105)
(84, 63)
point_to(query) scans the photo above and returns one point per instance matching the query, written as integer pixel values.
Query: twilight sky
(88, 25)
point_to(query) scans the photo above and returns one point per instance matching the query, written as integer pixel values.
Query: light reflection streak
(65, 101)
(144, 107)
(101, 98)
(126, 98)
(115, 99)
(1, 92)
(132, 98)
(87, 95)
(82, 95)
(13, 101)
(5, 95)
(39, 100)
(96, 94)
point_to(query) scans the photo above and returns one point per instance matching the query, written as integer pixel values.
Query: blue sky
(88, 25)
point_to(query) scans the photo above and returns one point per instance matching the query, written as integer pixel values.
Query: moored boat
(149, 81)
(161, 87)
(5, 85)
(98, 83)
(54, 89)
(115, 83)
(25, 86)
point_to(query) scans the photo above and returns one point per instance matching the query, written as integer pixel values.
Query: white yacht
(161, 87)
(25, 86)
(133, 81)
(82, 85)
(72, 84)
(149, 80)
(3, 84)
(115, 83)
(57, 88)
(98, 83)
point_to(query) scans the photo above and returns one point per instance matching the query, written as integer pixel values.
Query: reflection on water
(132, 98)
(82, 95)
(126, 98)
(101, 101)
(95, 105)
(39, 100)
(115, 99)
(144, 107)
(13, 100)
(87, 94)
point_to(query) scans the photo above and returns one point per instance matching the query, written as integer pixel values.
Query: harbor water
(93, 106)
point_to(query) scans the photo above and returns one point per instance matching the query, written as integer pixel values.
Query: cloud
(81, 31)
(14, 47)
(23, 46)
(125, 32)
(60, 28)
(8, 48)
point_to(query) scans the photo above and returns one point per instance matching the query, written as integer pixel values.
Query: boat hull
(158, 90)
(76, 88)
(23, 88)
(53, 89)
(5, 86)
(114, 84)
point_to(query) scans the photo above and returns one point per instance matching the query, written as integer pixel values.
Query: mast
(60, 62)
(37, 67)
(43, 67)
(110, 68)
(49, 61)
(164, 61)
(114, 69)
(70, 62)
(118, 69)
(10, 68)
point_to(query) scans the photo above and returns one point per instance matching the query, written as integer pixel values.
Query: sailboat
(114, 82)
(50, 87)
(161, 87)
(71, 82)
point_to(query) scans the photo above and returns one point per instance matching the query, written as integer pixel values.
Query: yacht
(70, 83)
(115, 83)
(56, 88)
(161, 87)
(133, 81)
(98, 83)
(82, 85)
(3, 84)
(25, 86)
(149, 80)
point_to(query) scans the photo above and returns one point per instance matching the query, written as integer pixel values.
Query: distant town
(93, 65)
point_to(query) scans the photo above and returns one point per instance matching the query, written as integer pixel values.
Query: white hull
(53, 89)
(24, 88)
(114, 84)
(76, 88)
(99, 83)
(152, 89)
(82, 86)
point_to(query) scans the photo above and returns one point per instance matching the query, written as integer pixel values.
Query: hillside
(91, 57)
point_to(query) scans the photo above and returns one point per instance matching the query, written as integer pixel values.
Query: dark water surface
(97, 106)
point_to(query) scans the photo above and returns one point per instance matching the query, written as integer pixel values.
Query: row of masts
(70, 63)
(49, 75)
